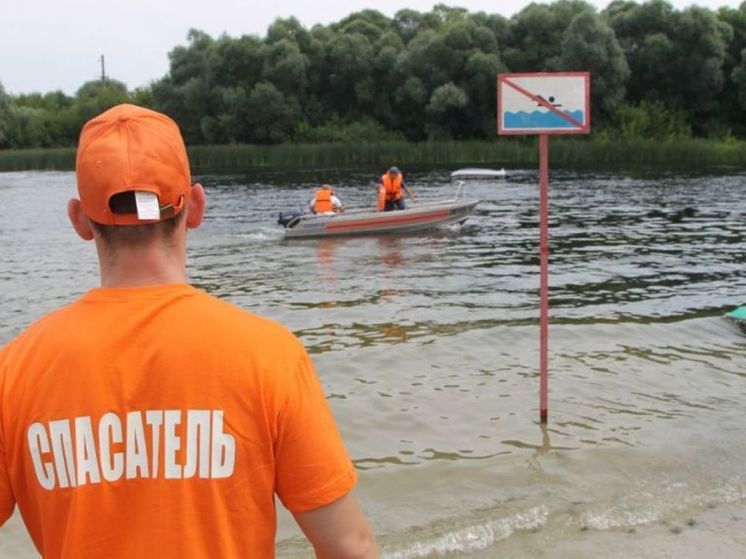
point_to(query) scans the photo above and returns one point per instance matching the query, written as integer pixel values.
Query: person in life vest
(390, 187)
(326, 201)
(149, 418)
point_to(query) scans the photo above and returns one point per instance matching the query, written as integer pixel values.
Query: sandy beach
(712, 532)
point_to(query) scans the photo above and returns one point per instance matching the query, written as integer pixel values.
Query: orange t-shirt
(160, 422)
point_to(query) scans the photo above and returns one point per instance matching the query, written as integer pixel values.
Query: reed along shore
(568, 152)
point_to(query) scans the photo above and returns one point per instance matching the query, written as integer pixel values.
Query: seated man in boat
(325, 201)
(390, 187)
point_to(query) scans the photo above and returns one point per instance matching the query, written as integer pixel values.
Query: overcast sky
(46, 45)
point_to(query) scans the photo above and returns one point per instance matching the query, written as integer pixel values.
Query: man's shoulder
(242, 322)
(49, 320)
(41, 327)
(198, 312)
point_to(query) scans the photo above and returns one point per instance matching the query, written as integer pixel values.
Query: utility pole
(103, 71)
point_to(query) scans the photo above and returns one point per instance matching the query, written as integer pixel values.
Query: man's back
(159, 421)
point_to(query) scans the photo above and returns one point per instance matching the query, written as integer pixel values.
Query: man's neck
(136, 267)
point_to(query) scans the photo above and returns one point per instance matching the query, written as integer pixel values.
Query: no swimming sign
(544, 103)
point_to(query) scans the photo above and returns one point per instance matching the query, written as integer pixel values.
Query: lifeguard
(326, 201)
(390, 187)
(148, 418)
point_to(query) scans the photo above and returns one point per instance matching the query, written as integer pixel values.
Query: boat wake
(264, 234)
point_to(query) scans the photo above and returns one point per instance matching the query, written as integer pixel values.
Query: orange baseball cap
(132, 149)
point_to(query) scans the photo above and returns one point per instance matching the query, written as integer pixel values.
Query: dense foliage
(656, 73)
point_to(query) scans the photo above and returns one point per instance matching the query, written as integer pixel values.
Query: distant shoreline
(565, 152)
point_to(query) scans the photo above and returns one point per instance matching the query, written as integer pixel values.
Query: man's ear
(196, 207)
(79, 220)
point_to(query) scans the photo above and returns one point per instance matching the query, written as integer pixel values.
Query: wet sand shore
(712, 532)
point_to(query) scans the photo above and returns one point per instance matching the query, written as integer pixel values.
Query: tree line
(656, 72)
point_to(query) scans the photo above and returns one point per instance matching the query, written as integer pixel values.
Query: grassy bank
(511, 153)
(58, 159)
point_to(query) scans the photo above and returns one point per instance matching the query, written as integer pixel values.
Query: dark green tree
(369, 23)
(590, 44)
(286, 68)
(445, 112)
(5, 115)
(676, 58)
(187, 93)
(644, 32)
(700, 55)
(348, 59)
(537, 33)
(652, 120)
(410, 23)
(270, 116)
(655, 72)
(480, 87)
(289, 29)
(410, 100)
(732, 103)
(498, 26)
(234, 62)
(94, 97)
(27, 128)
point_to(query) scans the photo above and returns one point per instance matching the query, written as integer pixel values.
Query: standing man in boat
(390, 187)
(148, 418)
(326, 201)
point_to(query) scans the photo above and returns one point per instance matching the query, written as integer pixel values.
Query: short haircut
(115, 236)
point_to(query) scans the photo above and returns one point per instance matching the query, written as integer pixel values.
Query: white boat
(477, 173)
(417, 217)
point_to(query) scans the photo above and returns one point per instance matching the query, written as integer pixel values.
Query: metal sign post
(543, 104)
(543, 277)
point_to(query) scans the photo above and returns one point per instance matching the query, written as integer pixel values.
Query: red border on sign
(580, 129)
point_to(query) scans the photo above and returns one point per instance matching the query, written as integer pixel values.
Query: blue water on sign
(541, 119)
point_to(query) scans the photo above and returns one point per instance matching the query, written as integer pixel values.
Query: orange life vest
(392, 186)
(323, 201)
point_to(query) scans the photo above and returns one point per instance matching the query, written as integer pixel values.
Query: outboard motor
(289, 219)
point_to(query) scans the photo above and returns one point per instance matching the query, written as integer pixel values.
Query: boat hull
(363, 222)
(738, 316)
(476, 173)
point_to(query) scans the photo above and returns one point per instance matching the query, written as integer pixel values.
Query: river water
(427, 347)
